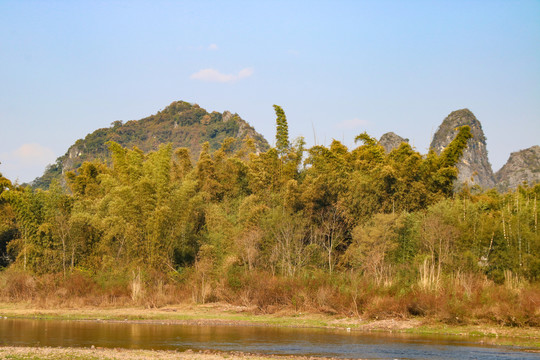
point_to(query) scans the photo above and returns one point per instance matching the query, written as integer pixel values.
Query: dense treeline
(355, 231)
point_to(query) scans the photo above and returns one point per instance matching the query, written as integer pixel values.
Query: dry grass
(81, 290)
(459, 300)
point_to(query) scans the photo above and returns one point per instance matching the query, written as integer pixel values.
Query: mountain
(474, 167)
(523, 165)
(391, 141)
(182, 124)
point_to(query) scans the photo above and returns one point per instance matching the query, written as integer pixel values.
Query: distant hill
(182, 124)
(391, 141)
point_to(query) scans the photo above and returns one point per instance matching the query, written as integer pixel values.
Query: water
(254, 339)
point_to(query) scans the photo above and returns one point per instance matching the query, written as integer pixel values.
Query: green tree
(58, 207)
(372, 245)
(35, 249)
(5, 184)
(8, 227)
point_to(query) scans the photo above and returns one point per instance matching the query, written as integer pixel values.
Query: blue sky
(339, 67)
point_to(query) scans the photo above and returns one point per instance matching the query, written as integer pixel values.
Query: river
(253, 339)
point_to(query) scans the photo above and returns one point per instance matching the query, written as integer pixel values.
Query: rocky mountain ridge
(187, 125)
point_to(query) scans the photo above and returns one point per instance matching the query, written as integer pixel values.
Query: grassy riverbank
(225, 314)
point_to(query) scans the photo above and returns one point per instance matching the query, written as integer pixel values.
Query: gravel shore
(48, 353)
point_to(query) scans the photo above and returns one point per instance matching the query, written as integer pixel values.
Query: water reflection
(313, 342)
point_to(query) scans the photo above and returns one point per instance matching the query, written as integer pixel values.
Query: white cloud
(26, 162)
(352, 123)
(212, 47)
(31, 154)
(244, 73)
(213, 75)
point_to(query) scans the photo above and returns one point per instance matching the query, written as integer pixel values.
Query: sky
(338, 68)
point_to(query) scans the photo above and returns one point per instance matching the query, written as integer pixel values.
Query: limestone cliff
(474, 167)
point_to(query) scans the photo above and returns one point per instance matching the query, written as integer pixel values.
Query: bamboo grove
(391, 220)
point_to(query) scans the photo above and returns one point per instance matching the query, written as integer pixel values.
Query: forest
(358, 232)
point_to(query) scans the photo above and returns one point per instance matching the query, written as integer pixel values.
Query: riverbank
(47, 353)
(225, 314)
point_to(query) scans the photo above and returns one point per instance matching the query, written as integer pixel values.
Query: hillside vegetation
(359, 232)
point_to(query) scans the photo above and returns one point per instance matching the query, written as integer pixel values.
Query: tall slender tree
(282, 131)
